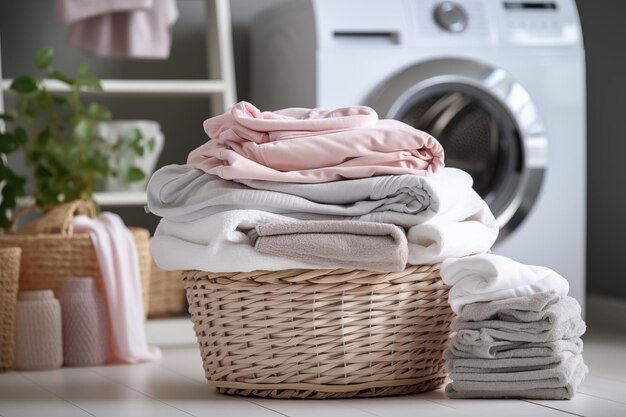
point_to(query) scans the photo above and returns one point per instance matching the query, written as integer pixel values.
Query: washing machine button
(450, 16)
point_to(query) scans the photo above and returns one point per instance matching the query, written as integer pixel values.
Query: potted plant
(61, 139)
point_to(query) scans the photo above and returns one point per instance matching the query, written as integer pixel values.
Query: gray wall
(604, 32)
(29, 24)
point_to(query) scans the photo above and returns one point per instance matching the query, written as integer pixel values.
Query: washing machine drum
(486, 123)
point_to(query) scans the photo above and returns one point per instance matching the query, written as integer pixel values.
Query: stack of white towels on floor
(517, 334)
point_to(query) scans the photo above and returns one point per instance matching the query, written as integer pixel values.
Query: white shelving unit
(219, 85)
(122, 198)
(184, 88)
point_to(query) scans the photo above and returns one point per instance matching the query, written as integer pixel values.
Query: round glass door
(486, 123)
(478, 136)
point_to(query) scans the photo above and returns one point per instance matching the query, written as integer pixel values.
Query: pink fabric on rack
(139, 29)
(69, 11)
(313, 145)
(119, 265)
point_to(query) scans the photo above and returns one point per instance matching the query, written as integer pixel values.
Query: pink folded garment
(313, 145)
(119, 265)
(69, 11)
(139, 29)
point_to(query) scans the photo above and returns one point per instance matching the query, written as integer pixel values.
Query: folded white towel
(483, 278)
(205, 214)
(219, 243)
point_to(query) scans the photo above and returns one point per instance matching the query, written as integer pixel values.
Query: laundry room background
(33, 23)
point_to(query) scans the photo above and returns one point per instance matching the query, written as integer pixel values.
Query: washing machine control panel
(542, 23)
(450, 16)
(538, 22)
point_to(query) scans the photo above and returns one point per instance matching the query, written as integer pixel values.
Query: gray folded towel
(480, 365)
(554, 314)
(503, 349)
(371, 246)
(559, 382)
(575, 327)
(547, 307)
(554, 377)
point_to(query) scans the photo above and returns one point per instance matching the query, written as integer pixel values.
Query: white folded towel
(483, 278)
(205, 214)
(219, 243)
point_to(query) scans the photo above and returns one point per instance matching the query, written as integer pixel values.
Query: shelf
(175, 331)
(143, 87)
(122, 198)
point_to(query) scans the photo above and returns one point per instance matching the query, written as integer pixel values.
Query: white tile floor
(176, 387)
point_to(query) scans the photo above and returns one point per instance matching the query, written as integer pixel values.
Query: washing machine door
(486, 122)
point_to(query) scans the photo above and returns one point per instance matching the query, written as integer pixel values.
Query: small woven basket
(52, 252)
(167, 294)
(9, 275)
(321, 333)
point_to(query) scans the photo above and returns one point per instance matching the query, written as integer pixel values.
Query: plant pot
(112, 130)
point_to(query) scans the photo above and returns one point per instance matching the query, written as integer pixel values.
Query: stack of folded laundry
(518, 334)
(314, 188)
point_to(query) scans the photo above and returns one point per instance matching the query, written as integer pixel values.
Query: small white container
(85, 323)
(38, 331)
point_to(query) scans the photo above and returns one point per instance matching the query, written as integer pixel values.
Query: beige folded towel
(379, 247)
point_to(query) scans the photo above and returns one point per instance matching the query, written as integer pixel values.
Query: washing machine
(500, 83)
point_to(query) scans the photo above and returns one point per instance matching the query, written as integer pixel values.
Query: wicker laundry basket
(321, 333)
(51, 251)
(167, 294)
(9, 274)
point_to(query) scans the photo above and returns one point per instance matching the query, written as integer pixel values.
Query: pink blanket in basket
(313, 145)
(119, 265)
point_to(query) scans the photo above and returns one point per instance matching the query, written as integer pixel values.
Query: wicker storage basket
(167, 294)
(9, 274)
(321, 333)
(51, 251)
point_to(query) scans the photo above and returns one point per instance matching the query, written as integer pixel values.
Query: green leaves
(99, 111)
(10, 142)
(61, 141)
(86, 80)
(12, 187)
(24, 85)
(82, 130)
(128, 146)
(57, 75)
(43, 58)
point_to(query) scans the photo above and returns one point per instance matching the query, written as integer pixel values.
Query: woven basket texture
(51, 251)
(167, 294)
(9, 275)
(321, 333)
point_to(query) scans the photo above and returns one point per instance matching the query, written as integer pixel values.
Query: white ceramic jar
(85, 323)
(38, 331)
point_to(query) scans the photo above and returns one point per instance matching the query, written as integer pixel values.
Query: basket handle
(59, 220)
